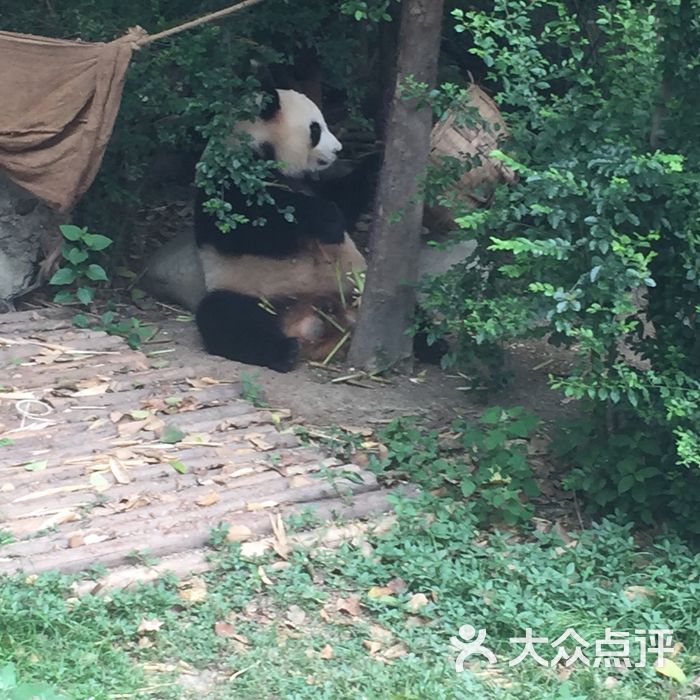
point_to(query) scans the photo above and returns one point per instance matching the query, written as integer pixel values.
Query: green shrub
(487, 459)
(598, 222)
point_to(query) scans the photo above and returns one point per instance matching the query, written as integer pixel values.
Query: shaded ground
(312, 395)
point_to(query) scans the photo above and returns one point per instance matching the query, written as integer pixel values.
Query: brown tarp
(58, 103)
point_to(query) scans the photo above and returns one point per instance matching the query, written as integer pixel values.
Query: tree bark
(388, 302)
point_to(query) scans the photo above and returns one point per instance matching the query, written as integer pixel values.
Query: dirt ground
(434, 395)
(427, 391)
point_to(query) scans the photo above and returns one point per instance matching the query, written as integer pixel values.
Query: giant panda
(282, 291)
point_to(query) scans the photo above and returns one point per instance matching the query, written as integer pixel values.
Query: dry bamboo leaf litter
(86, 476)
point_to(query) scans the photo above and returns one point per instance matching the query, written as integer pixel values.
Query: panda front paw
(330, 224)
(284, 356)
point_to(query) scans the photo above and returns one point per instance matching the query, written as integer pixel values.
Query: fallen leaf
(209, 500)
(136, 501)
(396, 651)
(263, 576)
(178, 466)
(95, 390)
(149, 625)
(379, 592)
(38, 466)
(366, 548)
(131, 428)
(155, 425)
(201, 383)
(98, 482)
(396, 585)
(76, 541)
(238, 533)
(94, 538)
(415, 621)
(63, 516)
(634, 592)
(416, 602)
(193, 590)
(380, 634)
(154, 404)
(224, 629)
(118, 471)
(262, 444)
(144, 643)
(261, 506)
(171, 435)
(560, 530)
(372, 646)
(672, 670)
(280, 544)
(349, 605)
(327, 652)
(296, 616)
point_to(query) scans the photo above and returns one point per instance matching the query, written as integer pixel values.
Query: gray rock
(436, 261)
(26, 228)
(174, 274)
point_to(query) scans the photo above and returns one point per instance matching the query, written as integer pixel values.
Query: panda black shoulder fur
(294, 267)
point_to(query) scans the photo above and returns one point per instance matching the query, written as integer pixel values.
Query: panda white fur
(266, 284)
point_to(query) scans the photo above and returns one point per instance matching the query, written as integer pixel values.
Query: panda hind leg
(235, 326)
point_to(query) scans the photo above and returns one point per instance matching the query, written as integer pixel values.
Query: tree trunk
(388, 301)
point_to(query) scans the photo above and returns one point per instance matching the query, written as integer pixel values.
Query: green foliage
(81, 272)
(11, 690)
(132, 329)
(375, 10)
(251, 390)
(488, 458)
(597, 245)
(79, 269)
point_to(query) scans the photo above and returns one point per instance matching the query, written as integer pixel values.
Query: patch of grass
(252, 391)
(485, 459)
(370, 620)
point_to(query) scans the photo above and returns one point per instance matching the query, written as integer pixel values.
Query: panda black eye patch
(315, 130)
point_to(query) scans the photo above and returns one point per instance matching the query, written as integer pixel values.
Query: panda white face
(294, 131)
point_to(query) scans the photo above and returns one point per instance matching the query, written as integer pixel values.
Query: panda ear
(271, 102)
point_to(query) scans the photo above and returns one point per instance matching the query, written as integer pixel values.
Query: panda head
(291, 129)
